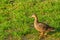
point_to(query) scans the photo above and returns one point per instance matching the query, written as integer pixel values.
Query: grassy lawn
(15, 21)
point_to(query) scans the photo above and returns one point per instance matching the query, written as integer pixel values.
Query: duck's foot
(41, 38)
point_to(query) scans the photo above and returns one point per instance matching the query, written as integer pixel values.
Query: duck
(41, 27)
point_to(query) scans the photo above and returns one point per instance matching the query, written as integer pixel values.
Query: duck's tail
(51, 29)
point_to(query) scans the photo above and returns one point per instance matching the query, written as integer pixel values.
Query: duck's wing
(43, 26)
(46, 27)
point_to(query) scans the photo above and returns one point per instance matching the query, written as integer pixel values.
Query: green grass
(15, 21)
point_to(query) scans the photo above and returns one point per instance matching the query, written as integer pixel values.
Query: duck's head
(33, 16)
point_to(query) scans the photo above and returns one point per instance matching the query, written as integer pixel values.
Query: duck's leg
(42, 34)
(41, 37)
(46, 34)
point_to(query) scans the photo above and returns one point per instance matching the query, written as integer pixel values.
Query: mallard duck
(41, 27)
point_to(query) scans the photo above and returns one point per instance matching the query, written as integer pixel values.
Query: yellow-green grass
(15, 21)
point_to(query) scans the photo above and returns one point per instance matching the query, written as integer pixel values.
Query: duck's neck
(36, 21)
